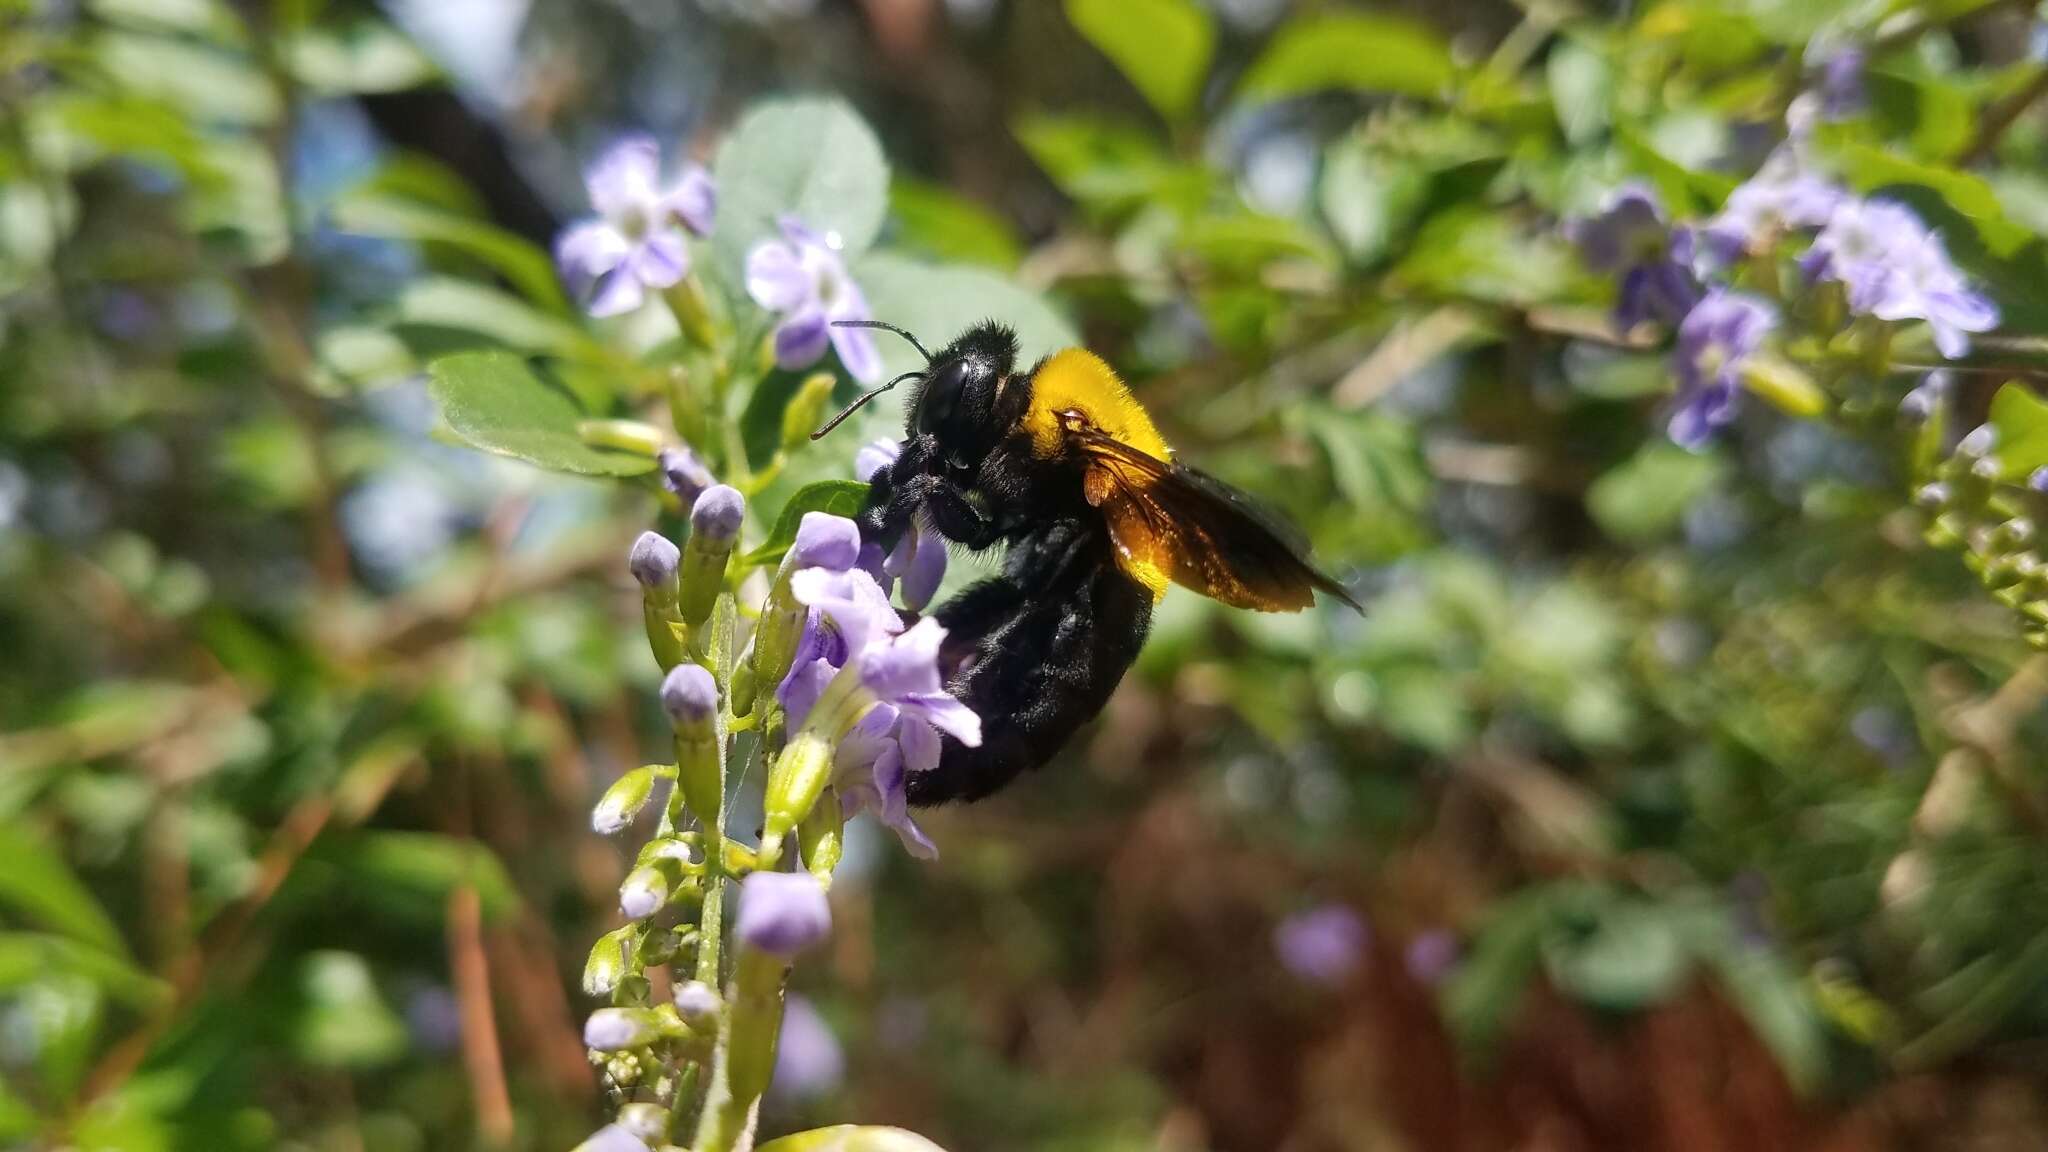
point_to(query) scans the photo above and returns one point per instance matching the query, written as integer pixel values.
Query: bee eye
(941, 397)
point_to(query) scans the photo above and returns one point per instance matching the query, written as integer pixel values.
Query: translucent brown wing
(1171, 522)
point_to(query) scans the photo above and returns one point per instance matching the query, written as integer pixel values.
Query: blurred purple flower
(1323, 945)
(803, 279)
(637, 243)
(875, 456)
(808, 1060)
(2038, 481)
(1782, 195)
(782, 913)
(1895, 268)
(1841, 82)
(683, 473)
(1432, 957)
(1714, 341)
(1630, 236)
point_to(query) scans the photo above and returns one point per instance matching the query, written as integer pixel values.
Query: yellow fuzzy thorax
(1078, 380)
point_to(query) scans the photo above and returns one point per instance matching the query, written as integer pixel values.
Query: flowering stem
(745, 1058)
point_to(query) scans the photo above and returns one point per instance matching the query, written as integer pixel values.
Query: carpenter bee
(1062, 466)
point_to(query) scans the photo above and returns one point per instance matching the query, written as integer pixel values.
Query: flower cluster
(1786, 243)
(639, 242)
(892, 700)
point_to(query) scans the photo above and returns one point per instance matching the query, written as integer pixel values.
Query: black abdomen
(1035, 653)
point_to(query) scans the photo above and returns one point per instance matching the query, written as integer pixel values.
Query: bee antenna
(886, 327)
(864, 397)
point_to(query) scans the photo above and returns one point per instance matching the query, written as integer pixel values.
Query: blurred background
(1662, 800)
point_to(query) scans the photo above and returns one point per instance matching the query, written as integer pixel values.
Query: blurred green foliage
(304, 707)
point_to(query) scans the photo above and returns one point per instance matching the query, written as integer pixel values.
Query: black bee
(1063, 467)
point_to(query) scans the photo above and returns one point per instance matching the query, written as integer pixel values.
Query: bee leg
(947, 507)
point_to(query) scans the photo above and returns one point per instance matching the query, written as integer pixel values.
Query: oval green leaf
(497, 402)
(814, 159)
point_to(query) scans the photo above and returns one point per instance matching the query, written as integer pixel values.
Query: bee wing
(1171, 522)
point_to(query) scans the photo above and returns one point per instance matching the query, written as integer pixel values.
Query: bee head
(960, 398)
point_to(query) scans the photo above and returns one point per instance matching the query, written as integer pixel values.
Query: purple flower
(919, 558)
(1841, 83)
(637, 243)
(904, 672)
(1782, 195)
(1721, 332)
(689, 694)
(802, 279)
(808, 1060)
(1631, 237)
(782, 913)
(1323, 945)
(872, 767)
(825, 541)
(850, 602)
(1895, 268)
(2038, 480)
(1432, 956)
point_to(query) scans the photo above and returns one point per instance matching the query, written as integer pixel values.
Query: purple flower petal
(776, 278)
(618, 293)
(624, 178)
(893, 807)
(920, 743)
(661, 260)
(825, 541)
(853, 603)
(801, 687)
(856, 346)
(801, 340)
(693, 200)
(808, 1061)
(905, 668)
(875, 456)
(919, 561)
(589, 250)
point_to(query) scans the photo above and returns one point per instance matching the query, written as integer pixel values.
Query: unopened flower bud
(1981, 440)
(806, 410)
(615, 1029)
(622, 801)
(607, 961)
(683, 474)
(645, 1121)
(782, 913)
(1918, 406)
(643, 893)
(689, 695)
(653, 562)
(714, 527)
(613, 1138)
(2017, 532)
(1933, 495)
(698, 1004)
(624, 435)
(2038, 481)
(1986, 468)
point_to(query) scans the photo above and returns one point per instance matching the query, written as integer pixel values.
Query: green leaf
(413, 873)
(1351, 50)
(1633, 957)
(1771, 996)
(939, 222)
(1479, 253)
(832, 497)
(1161, 46)
(814, 159)
(851, 1138)
(1645, 498)
(1369, 198)
(342, 1021)
(26, 957)
(1481, 997)
(475, 313)
(1581, 89)
(363, 57)
(524, 266)
(206, 84)
(1110, 167)
(2021, 419)
(499, 403)
(39, 887)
